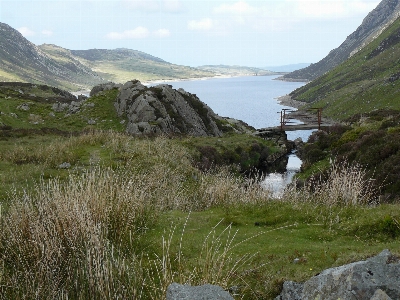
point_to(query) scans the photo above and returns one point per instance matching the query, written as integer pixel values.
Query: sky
(250, 33)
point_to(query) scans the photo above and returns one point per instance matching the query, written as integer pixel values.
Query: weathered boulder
(103, 87)
(162, 109)
(177, 291)
(375, 278)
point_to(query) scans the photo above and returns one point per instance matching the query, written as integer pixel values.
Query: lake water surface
(252, 99)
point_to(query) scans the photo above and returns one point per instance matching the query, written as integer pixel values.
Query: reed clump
(83, 237)
(343, 184)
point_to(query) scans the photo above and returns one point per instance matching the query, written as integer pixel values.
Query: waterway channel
(252, 99)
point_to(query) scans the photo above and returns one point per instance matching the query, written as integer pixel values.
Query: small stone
(51, 114)
(91, 122)
(24, 107)
(296, 260)
(64, 165)
(177, 291)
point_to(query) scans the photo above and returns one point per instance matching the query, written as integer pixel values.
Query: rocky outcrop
(375, 22)
(375, 278)
(177, 291)
(104, 87)
(162, 109)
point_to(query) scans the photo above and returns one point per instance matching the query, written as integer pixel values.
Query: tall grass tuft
(84, 237)
(345, 184)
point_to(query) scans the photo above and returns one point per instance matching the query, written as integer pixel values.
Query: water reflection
(276, 182)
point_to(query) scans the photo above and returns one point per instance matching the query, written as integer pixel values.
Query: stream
(277, 182)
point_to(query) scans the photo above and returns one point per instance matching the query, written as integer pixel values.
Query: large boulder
(375, 278)
(177, 291)
(162, 109)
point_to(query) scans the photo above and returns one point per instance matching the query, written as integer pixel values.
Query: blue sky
(192, 32)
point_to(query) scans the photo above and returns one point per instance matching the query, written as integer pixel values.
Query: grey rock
(51, 114)
(14, 115)
(24, 106)
(64, 165)
(358, 280)
(91, 122)
(380, 295)
(59, 107)
(90, 104)
(103, 87)
(82, 97)
(162, 109)
(291, 291)
(177, 291)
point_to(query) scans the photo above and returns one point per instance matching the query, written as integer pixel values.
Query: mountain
(20, 60)
(74, 70)
(287, 68)
(121, 65)
(374, 24)
(367, 81)
(235, 70)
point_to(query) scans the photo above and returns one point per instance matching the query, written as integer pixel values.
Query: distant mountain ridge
(21, 60)
(373, 24)
(236, 70)
(367, 81)
(74, 70)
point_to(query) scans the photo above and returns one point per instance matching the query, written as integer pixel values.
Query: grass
(99, 108)
(133, 215)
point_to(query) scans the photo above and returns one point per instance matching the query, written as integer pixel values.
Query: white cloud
(162, 33)
(137, 33)
(204, 24)
(26, 32)
(47, 32)
(171, 6)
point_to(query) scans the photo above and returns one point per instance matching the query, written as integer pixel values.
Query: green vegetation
(131, 215)
(373, 142)
(367, 81)
(40, 113)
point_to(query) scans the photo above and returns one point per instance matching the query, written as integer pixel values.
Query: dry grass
(80, 238)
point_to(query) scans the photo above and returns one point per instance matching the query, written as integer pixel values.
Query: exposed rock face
(375, 22)
(104, 87)
(205, 292)
(162, 109)
(374, 278)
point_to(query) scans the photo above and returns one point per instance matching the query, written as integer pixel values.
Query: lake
(252, 99)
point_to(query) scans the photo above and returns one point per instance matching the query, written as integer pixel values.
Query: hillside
(236, 70)
(74, 70)
(23, 61)
(375, 22)
(121, 65)
(367, 81)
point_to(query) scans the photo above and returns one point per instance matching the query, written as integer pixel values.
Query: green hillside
(367, 81)
(121, 65)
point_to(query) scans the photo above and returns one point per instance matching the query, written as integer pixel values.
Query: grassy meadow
(132, 215)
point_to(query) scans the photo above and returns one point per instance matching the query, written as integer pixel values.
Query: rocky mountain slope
(23, 61)
(369, 80)
(372, 26)
(74, 70)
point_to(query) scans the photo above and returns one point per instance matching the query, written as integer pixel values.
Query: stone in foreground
(375, 278)
(177, 291)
